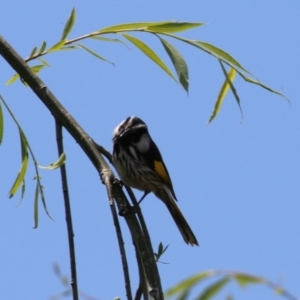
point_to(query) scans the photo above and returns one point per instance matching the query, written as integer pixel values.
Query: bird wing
(154, 160)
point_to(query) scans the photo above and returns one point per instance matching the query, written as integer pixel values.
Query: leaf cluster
(182, 290)
(169, 29)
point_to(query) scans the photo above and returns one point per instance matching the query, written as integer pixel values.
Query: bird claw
(119, 182)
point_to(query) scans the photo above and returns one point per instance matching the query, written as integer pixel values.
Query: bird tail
(181, 223)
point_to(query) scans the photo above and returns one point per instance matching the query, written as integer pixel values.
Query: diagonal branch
(62, 116)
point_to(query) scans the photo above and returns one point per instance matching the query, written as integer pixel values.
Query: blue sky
(237, 183)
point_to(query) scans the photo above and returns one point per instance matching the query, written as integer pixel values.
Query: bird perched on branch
(140, 165)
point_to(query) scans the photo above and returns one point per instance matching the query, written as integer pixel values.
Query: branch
(63, 172)
(86, 143)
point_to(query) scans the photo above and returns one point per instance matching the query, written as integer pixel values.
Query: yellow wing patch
(162, 172)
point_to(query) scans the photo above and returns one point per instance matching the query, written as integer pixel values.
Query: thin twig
(110, 178)
(65, 189)
(103, 151)
(122, 252)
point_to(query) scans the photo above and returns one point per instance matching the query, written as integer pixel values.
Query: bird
(140, 165)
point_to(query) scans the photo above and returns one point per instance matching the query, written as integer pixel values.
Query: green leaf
(149, 52)
(1, 124)
(69, 48)
(44, 62)
(23, 169)
(160, 248)
(61, 160)
(23, 141)
(12, 79)
(99, 38)
(213, 289)
(173, 27)
(251, 80)
(36, 206)
(165, 26)
(57, 46)
(184, 295)
(36, 69)
(178, 62)
(94, 53)
(129, 26)
(23, 190)
(214, 51)
(188, 283)
(246, 279)
(219, 53)
(33, 51)
(41, 191)
(43, 47)
(69, 25)
(224, 89)
(230, 82)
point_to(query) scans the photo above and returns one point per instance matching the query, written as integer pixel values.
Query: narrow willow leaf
(36, 69)
(36, 206)
(179, 64)
(44, 62)
(174, 27)
(217, 52)
(69, 25)
(160, 248)
(41, 191)
(149, 52)
(56, 47)
(24, 145)
(99, 38)
(213, 289)
(184, 295)
(129, 26)
(237, 98)
(33, 51)
(188, 283)
(1, 124)
(61, 160)
(43, 47)
(94, 53)
(23, 190)
(214, 51)
(251, 80)
(246, 279)
(224, 89)
(12, 79)
(23, 169)
(69, 48)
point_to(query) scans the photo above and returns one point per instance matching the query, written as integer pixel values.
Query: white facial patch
(144, 143)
